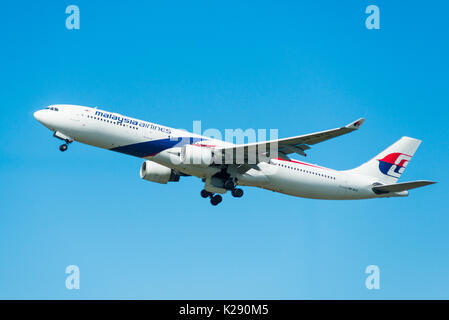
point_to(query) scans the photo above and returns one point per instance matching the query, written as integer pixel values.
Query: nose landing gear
(63, 147)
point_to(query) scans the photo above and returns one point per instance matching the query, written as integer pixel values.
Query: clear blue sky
(236, 64)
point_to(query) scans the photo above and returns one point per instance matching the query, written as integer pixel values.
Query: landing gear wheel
(237, 193)
(216, 199)
(63, 147)
(205, 193)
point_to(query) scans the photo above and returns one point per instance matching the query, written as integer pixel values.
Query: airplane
(170, 154)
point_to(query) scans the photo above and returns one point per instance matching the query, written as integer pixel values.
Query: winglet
(356, 124)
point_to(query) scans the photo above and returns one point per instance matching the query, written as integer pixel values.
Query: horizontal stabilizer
(398, 187)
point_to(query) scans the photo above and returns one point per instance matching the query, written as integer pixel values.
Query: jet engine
(155, 172)
(197, 156)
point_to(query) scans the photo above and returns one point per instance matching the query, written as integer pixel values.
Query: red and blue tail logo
(394, 164)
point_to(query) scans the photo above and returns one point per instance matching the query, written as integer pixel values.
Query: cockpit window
(52, 108)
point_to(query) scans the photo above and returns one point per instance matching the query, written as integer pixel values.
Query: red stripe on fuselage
(203, 145)
(304, 164)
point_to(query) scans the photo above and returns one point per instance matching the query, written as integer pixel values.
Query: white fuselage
(162, 145)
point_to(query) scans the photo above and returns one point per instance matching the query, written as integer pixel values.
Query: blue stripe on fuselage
(153, 147)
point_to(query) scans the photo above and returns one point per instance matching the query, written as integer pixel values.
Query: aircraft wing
(285, 146)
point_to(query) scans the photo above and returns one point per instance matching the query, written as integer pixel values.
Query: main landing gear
(230, 185)
(237, 193)
(214, 199)
(222, 182)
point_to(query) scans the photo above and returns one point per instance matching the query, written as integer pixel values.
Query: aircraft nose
(39, 115)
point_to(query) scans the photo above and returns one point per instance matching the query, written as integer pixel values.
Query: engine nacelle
(155, 172)
(197, 156)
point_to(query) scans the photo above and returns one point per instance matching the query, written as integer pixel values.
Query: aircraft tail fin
(388, 165)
